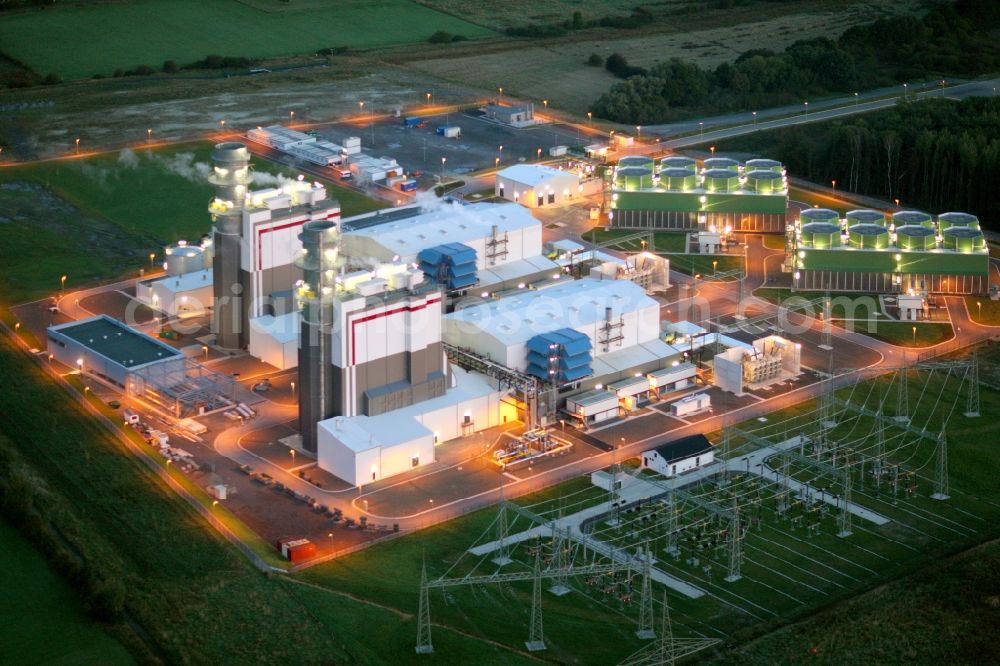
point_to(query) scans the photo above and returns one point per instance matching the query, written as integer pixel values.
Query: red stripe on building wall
(260, 236)
(361, 320)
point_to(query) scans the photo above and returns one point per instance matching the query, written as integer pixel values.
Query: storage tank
(865, 216)
(819, 215)
(963, 239)
(721, 163)
(868, 236)
(905, 217)
(183, 258)
(946, 220)
(721, 180)
(821, 235)
(761, 164)
(678, 179)
(915, 237)
(636, 161)
(634, 178)
(679, 162)
(765, 182)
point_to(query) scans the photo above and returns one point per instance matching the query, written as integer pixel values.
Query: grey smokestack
(319, 263)
(230, 173)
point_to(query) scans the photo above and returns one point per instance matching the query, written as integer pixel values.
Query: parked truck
(408, 185)
(449, 131)
(412, 121)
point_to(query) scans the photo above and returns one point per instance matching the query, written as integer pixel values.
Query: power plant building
(536, 185)
(675, 195)
(911, 253)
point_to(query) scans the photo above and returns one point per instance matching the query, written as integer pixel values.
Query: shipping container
(411, 121)
(408, 186)
(449, 131)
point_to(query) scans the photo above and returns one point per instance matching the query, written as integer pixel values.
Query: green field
(148, 32)
(99, 217)
(36, 605)
(664, 241)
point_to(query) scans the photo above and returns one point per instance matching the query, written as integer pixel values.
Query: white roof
(533, 175)
(401, 426)
(187, 282)
(519, 317)
(515, 269)
(567, 245)
(283, 328)
(627, 358)
(450, 223)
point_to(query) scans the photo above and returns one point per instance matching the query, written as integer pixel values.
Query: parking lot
(478, 147)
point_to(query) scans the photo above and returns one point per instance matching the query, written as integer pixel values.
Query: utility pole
(645, 630)
(845, 513)
(724, 450)
(972, 407)
(560, 584)
(902, 396)
(672, 526)
(941, 488)
(536, 637)
(503, 527)
(735, 538)
(827, 324)
(424, 644)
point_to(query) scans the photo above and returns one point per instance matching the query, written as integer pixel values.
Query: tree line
(934, 154)
(952, 39)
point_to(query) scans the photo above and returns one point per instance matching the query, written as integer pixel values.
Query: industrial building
(536, 185)
(748, 367)
(679, 456)
(675, 194)
(515, 116)
(909, 253)
(108, 349)
(505, 239)
(255, 237)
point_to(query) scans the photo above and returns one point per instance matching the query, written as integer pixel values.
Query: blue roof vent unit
(452, 265)
(559, 356)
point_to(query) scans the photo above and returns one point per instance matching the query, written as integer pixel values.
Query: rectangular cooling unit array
(452, 265)
(560, 356)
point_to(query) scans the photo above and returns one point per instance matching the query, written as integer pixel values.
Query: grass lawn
(702, 264)
(983, 310)
(97, 218)
(665, 241)
(36, 605)
(774, 241)
(148, 32)
(842, 305)
(901, 333)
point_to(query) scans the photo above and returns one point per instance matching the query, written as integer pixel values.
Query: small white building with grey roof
(536, 185)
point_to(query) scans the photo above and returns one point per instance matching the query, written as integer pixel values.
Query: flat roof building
(536, 185)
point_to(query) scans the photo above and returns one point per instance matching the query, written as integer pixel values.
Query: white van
(131, 417)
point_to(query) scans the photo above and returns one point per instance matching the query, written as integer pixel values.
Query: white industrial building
(535, 185)
(767, 361)
(506, 239)
(679, 456)
(187, 294)
(620, 322)
(363, 449)
(275, 339)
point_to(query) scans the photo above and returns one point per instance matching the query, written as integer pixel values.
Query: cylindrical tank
(636, 161)
(765, 182)
(761, 164)
(915, 237)
(905, 217)
(946, 220)
(678, 179)
(963, 239)
(721, 180)
(865, 216)
(868, 236)
(679, 162)
(821, 235)
(819, 215)
(721, 163)
(634, 178)
(183, 258)
(208, 245)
